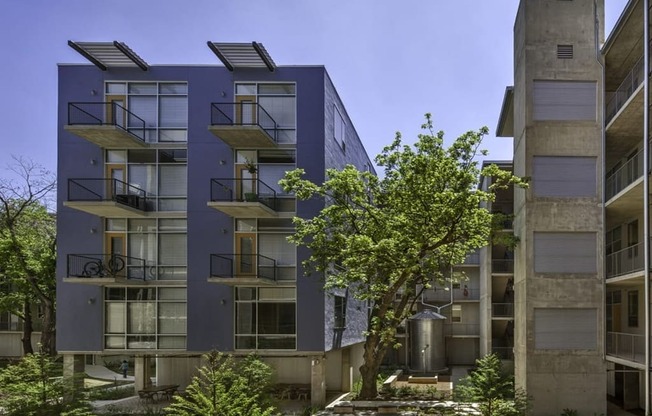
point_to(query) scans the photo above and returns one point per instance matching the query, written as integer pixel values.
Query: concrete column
(318, 381)
(74, 366)
(347, 371)
(142, 373)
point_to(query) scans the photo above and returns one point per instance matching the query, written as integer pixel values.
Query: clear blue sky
(391, 61)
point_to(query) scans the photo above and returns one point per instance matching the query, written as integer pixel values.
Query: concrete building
(552, 112)
(627, 207)
(172, 225)
(11, 335)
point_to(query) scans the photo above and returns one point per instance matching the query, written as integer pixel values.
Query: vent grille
(564, 51)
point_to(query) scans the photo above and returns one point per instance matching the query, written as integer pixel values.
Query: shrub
(227, 388)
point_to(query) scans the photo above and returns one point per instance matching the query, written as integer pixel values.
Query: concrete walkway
(614, 410)
(102, 373)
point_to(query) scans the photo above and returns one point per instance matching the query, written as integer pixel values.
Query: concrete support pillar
(347, 371)
(74, 366)
(142, 373)
(318, 381)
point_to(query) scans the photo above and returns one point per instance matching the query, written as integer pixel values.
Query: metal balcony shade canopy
(242, 55)
(107, 55)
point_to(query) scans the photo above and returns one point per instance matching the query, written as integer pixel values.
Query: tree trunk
(373, 355)
(48, 338)
(27, 329)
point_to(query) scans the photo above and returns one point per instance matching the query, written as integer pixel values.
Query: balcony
(108, 125)
(625, 261)
(109, 198)
(462, 330)
(243, 269)
(619, 180)
(502, 266)
(503, 215)
(243, 125)
(458, 295)
(625, 90)
(629, 347)
(502, 310)
(472, 259)
(105, 269)
(243, 198)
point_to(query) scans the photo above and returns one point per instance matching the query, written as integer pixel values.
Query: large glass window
(271, 166)
(162, 106)
(145, 318)
(265, 318)
(162, 174)
(279, 101)
(269, 237)
(161, 243)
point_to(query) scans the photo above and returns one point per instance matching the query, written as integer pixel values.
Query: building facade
(552, 112)
(172, 225)
(626, 207)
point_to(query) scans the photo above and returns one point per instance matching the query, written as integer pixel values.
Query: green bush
(110, 393)
(227, 387)
(492, 388)
(31, 387)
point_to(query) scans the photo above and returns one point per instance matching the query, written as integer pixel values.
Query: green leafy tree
(30, 388)
(28, 250)
(226, 387)
(391, 237)
(492, 388)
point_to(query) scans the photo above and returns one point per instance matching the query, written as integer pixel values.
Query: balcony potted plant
(250, 166)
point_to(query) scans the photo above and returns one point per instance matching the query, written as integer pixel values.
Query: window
(161, 243)
(632, 233)
(162, 106)
(277, 101)
(456, 313)
(564, 100)
(339, 128)
(271, 166)
(567, 176)
(565, 328)
(145, 318)
(265, 318)
(340, 312)
(632, 308)
(613, 245)
(269, 237)
(162, 174)
(571, 252)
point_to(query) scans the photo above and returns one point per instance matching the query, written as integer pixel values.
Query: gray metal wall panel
(564, 100)
(566, 328)
(573, 252)
(570, 176)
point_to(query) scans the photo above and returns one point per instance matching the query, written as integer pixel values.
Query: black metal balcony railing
(102, 189)
(243, 190)
(442, 295)
(244, 114)
(106, 114)
(502, 310)
(105, 266)
(502, 265)
(627, 346)
(625, 90)
(627, 260)
(243, 266)
(624, 176)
